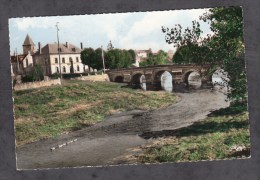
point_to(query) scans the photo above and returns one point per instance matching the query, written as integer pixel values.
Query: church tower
(28, 45)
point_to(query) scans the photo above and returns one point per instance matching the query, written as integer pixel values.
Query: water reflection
(194, 80)
(143, 83)
(220, 80)
(166, 81)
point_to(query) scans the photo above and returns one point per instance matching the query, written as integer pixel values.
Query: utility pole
(58, 48)
(18, 65)
(103, 58)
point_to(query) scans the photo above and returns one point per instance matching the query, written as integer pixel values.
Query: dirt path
(103, 142)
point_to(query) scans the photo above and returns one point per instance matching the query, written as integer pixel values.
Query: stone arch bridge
(153, 75)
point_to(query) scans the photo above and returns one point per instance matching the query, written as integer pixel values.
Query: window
(78, 68)
(74, 49)
(63, 60)
(64, 69)
(71, 59)
(77, 59)
(27, 63)
(59, 50)
(57, 70)
(56, 60)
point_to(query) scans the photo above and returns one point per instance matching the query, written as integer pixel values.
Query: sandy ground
(102, 143)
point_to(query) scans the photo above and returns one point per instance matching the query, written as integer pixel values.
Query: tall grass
(51, 111)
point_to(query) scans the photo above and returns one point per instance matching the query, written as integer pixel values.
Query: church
(22, 64)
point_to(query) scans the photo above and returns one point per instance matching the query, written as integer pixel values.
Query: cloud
(24, 24)
(139, 30)
(150, 27)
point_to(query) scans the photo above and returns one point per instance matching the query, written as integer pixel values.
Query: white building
(141, 55)
(68, 55)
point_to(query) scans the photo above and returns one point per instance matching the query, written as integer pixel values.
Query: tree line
(119, 58)
(113, 58)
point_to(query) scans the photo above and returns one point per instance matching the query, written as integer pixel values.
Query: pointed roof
(28, 41)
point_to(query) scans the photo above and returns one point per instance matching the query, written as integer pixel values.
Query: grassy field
(210, 139)
(51, 111)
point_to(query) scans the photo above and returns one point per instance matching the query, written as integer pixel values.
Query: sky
(138, 30)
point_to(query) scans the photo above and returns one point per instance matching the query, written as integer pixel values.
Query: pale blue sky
(140, 30)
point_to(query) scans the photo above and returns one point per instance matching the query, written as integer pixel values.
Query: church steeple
(28, 45)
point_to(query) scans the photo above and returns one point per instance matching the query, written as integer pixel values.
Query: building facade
(141, 55)
(64, 58)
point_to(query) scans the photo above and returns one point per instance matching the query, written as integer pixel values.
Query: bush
(27, 78)
(54, 76)
(37, 73)
(68, 76)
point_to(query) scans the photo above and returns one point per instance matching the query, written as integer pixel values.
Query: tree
(191, 53)
(117, 58)
(37, 73)
(160, 58)
(224, 48)
(87, 56)
(97, 62)
(92, 58)
(132, 53)
(155, 59)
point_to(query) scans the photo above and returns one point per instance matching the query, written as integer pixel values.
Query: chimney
(40, 47)
(67, 44)
(81, 45)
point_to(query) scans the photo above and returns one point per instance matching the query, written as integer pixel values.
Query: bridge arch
(192, 78)
(119, 79)
(139, 81)
(164, 79)
(158, 74)
(136, 78)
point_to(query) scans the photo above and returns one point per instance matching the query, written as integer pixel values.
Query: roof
(20, 58)
(28, 41)
(143, 51)
(53, 49)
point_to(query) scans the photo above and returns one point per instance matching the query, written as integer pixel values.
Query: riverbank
(52, 111)
(102, 143)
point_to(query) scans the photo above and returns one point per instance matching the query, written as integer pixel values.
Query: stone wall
(38, 84)
(98, 77)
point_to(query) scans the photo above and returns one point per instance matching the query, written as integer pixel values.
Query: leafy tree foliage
(37, 73)
(132, 53)
(87, 56)
(114, 58)
(190, 54)
(117, 58)
(224, 48)
(155, 59)
(97, 62)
